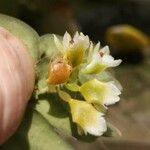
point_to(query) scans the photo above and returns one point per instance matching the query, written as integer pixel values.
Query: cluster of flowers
(77, 68)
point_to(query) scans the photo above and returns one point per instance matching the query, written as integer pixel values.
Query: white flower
(88, 119)
(74, 48)
(99, 59)
(100, 93)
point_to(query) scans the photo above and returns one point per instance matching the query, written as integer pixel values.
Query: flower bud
(59, 71)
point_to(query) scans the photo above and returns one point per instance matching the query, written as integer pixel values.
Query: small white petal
(109, 61)
(114, 88)
(116, 62)
(112, 94)
(58, 43)
(90, 52)
(105, 50)
(97, 47)
(111, 100)
(99, 127)
(66, 40)
(75, 38)
(81, 34)
(80, 41)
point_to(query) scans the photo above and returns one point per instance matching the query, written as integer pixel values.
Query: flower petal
(100, 93)
(80, 41)
(93, 91)
(113, 94)
(77, 49)
(58, 43)
(97, 47)
(95, 65)
(105, 50)
(87, 117)
(66, 40)
(100, 60)
(109, 61)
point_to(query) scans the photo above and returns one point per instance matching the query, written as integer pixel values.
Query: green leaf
(22, 31)
(42, 74)
(73, 87)
(35, 133)
(64, 95)
(52, 109)
(47, 45)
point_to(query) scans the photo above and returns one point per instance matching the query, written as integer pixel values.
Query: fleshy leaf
(64, 95)
(72, 87)
(42, 74)
(53, 110)
(47, 45)
(36, 133)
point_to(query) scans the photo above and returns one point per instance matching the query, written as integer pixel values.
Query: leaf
(42, 74)
(22, 31)
(73, 87)
(54, 111)
(47, 45)
(36, 133)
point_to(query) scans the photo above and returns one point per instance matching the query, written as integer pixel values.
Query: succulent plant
(75, 71)
(73, 86)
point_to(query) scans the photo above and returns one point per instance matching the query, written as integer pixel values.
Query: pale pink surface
(16, 82)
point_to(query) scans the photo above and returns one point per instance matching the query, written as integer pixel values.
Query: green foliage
(47, 46)
(35, 133)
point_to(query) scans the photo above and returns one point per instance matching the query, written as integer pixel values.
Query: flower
(100, 93)
(99, 60)
(73, 49)
(88, 119)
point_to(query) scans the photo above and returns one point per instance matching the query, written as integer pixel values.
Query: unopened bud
(59, 72)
